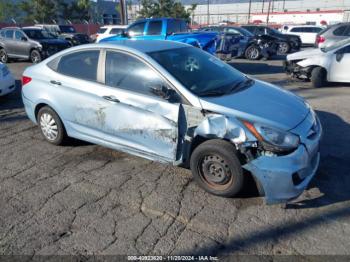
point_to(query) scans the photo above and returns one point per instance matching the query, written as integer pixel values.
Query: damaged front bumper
(292, 68)
(285, 177)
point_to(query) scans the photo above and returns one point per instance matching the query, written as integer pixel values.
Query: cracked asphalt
(84, 199)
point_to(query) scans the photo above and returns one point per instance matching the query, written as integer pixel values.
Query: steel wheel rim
(48, 126)
(215, 172)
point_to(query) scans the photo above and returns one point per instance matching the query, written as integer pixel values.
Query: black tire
(318, 77)
(61, 136)
(252, 52)
(216, 168)
(283, 48)
(35, 56)
(3, 56)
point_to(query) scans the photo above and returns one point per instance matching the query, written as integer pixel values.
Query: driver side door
(340, 64)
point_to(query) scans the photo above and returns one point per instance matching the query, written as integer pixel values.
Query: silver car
(332, 35)
(174, 103)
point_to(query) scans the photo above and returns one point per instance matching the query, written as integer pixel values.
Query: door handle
(111, 99)
(55, 82)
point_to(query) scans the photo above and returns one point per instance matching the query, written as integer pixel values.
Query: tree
(8, 10)
(165, 8)
(39, 10)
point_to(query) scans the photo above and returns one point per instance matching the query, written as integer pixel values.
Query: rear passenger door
(21, 46)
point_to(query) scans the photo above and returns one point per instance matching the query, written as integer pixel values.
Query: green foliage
(41, 10)
(8, 10)
(165, 8)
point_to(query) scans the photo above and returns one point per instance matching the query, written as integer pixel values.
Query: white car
(109, 30)
(7, 82)
(307, 33)
(321, 65)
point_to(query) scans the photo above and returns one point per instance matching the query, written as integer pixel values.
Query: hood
(305, 54)
(56, 41)
(262, 103)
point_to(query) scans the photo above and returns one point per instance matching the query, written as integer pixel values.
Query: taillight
(26, 80)
(320, 39)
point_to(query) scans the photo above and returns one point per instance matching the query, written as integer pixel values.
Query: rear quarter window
(340, 31)
(82, 65)
(298, 30)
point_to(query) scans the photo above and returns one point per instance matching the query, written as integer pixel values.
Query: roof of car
(32, 27)
(114, 26)
(145, 46)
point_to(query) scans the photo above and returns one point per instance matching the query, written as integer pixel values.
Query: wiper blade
(212, 93)
(244, 84)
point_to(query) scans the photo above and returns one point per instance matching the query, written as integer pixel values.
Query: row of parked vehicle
(37, 42)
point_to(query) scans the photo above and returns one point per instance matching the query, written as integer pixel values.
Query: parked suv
(307, 33)
(68, 33)
(31, 43)
(109, 30)
(332, 35)
(287, 42)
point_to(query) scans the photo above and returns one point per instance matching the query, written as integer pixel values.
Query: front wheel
(252, 52)
(318, 77)
(216, 168)
(35, 56)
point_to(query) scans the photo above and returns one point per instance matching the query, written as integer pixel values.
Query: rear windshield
(67, 29)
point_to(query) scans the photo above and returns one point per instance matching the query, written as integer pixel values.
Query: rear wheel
(3, 56)
(35, 56)
(51, 126)
(318, 77)
(252, 52)
(216, 168)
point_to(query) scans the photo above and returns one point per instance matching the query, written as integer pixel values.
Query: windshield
(200, 72)
(38, 34)
(336, 45)
(67, 29)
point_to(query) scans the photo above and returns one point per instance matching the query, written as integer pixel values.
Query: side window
(339, 31)
(298, 30)
(261, 31)
(232, 31)
(137, 29)
(154, 28)
(116, 31)
(317, 29)
(174, 26)
(2, 33)
(127, 72)
(9, 34)
(18, 35)
(82, 65)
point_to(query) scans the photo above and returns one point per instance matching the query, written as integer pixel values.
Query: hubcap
(48, 126)
(215, 171)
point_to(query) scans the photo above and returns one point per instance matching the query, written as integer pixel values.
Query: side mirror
(25, 39)
(339, 56)
(165, 92)
(125, 34)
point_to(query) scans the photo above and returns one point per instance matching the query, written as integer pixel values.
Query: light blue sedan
(174, 103)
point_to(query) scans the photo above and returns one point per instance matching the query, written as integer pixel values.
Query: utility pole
(250, 6)
(208, 13)
(123, 12)
(268, 13)
(262, 8)
(284, 5)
